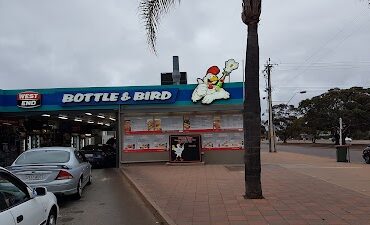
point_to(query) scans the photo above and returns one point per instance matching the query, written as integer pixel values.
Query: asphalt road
(322, 151)
(108, 200)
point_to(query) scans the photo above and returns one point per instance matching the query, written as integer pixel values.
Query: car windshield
(45, 156)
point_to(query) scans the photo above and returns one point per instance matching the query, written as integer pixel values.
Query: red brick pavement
(213, 195)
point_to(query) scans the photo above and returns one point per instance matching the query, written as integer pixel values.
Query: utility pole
(340, 131)
(271, 132)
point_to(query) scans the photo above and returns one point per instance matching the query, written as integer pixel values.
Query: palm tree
(252, 107)
(151, 10)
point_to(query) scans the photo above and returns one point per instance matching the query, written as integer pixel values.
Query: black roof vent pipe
(176, 70)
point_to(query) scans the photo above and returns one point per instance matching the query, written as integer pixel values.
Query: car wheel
(90, 180)
(52, 218)
(78, 195)
(367, 159)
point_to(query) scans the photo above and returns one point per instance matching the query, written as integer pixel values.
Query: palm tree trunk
(252, 117)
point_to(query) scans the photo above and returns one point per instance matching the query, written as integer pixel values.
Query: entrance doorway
(76, 129)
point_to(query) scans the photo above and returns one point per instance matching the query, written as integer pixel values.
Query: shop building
(151, 123)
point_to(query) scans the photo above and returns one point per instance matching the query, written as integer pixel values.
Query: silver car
(62, 170)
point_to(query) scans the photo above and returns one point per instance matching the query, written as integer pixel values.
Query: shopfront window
(150, 133)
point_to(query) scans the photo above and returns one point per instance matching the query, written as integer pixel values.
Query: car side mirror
(40, 191)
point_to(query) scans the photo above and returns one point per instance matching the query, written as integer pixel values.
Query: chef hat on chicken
(213, 70)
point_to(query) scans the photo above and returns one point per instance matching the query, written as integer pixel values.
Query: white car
(21, 205)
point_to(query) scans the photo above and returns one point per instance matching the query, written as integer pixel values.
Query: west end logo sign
(131, 97)
(28, 99)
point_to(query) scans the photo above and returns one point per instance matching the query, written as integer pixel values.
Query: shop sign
(210, 87)
(28, 99)
(128, 97)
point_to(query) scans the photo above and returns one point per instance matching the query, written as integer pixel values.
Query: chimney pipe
(176, 70)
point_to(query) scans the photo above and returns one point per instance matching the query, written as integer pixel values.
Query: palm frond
(151, 12)
(251, 11)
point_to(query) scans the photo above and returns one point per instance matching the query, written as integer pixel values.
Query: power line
(321, 48)
(325, 65)
(322, 68)
(329, 63)
(320, 87)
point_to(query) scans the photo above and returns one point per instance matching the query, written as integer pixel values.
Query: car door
(84, 165)
(5, 215)
(6, 218)
(24, 209)
(87, 166)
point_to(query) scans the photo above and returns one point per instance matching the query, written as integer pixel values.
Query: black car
(366, 154)
(100, 155)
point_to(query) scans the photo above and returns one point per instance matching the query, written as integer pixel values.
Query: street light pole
(300, 92)
(271, 128)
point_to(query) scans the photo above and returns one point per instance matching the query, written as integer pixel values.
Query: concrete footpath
(298, 189)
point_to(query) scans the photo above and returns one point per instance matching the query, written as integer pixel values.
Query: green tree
(285, 117)
(322, 112)
(151, 10)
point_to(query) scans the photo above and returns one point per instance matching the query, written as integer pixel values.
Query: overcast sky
(316, 44)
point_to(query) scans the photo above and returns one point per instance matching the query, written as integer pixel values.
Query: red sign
(28, 99)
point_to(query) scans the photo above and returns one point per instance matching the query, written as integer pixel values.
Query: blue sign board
(59, 99)
(129, 97)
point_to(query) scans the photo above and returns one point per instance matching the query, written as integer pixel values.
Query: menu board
(143, 123)
(127, 125)
(154, 124)
(208, 140)
(186, 122)
(234, 140)
(145, 142)
(169, 123)
(217, 122)
(223, 140)
(231, 121)
(159, 142)
(198, 122)
(129, 142)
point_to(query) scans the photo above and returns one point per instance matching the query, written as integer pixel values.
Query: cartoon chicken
(178, 149)
(210, 87)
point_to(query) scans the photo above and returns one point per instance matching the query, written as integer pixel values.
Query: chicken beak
(214, 79)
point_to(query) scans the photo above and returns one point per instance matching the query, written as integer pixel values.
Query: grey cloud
(46, 44)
